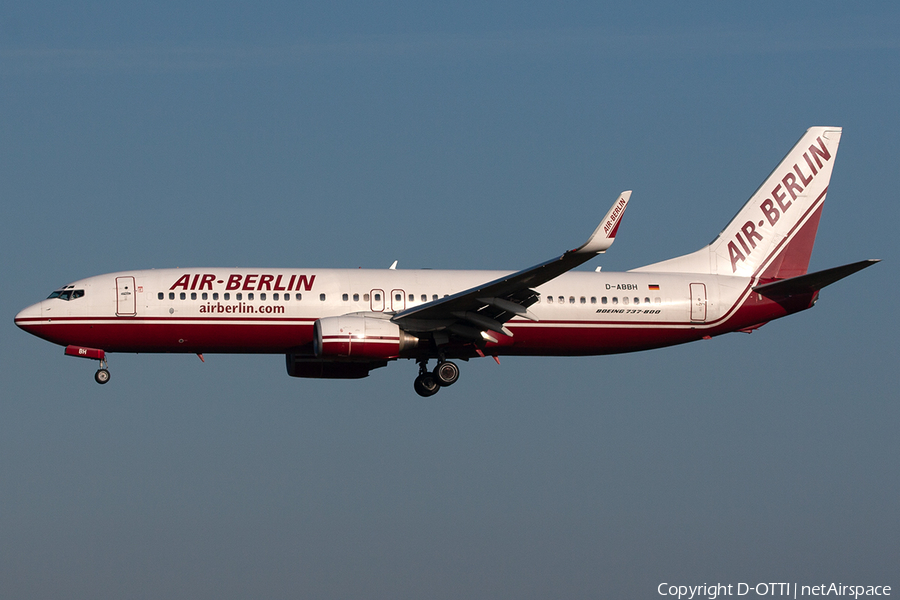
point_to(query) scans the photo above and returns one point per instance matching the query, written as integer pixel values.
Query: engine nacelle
(305, 366)
(360, 337)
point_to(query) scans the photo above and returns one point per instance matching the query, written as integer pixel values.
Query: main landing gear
(428, 383)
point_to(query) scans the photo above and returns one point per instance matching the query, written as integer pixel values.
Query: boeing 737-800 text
(342, 323)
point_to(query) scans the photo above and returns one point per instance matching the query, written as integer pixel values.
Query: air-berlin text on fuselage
(792, 183)
(250, 282)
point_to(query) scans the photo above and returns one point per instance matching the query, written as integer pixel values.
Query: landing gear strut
(428, 383)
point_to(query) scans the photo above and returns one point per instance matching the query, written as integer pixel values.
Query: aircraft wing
(473, 312)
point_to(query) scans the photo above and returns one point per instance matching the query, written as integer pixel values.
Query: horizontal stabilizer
(811, 282)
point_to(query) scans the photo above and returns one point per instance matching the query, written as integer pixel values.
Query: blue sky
(474, 136)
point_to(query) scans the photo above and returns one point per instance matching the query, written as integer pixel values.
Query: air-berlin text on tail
(793, 182)
(249, 282)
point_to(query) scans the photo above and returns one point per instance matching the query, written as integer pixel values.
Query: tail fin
(772, 236)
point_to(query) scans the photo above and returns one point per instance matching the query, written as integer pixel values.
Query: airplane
(343, 323)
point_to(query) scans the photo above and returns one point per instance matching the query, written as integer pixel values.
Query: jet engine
(360, 337)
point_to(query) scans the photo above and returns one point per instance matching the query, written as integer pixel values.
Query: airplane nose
(29, 316)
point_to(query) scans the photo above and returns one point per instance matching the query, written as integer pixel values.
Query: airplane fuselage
(273, 311)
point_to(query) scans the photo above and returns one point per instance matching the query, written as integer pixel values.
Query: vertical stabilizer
(773, 234)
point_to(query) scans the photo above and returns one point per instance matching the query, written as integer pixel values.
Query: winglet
(605, 234)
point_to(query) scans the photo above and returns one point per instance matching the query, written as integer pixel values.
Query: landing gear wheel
(426, 385)
(101, 376)
(446, 373)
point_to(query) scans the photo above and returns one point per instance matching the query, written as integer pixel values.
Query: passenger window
(345, 297)
(398, 297)
(365, 297)
(377, 297)
(412, 297)
(356, 297)
(593, 299)
(262, 296)
(571, 299)
(227, 296)
(204, 296)
(424, 298)
(615, 300)
(434, 297)
(215, 295)
(637, 301)
(625, 300)
(562, 300)
(160, 296)
(657, 300)
(583, 300)
(549, 299)
(603, 300)
(275, 296)
(193, 295)
(250, 296)
(298, 296)
(171, 295)
(646, 300)
(182, 295)
(322, 297)
(238, 296)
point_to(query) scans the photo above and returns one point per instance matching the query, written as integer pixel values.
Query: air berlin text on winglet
(748, 242)
(614, 218)
(250, 282)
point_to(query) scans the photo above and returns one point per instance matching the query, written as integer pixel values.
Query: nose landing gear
(102, 374)
(428, 383)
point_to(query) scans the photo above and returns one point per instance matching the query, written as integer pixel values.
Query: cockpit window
(66, 294)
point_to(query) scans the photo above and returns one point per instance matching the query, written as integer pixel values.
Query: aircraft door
(376, 300)
(126, 300)
(398, 300)
(698, 302)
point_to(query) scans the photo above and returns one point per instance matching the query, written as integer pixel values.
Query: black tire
(426, 385)
(446, 373)
(101, 376)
